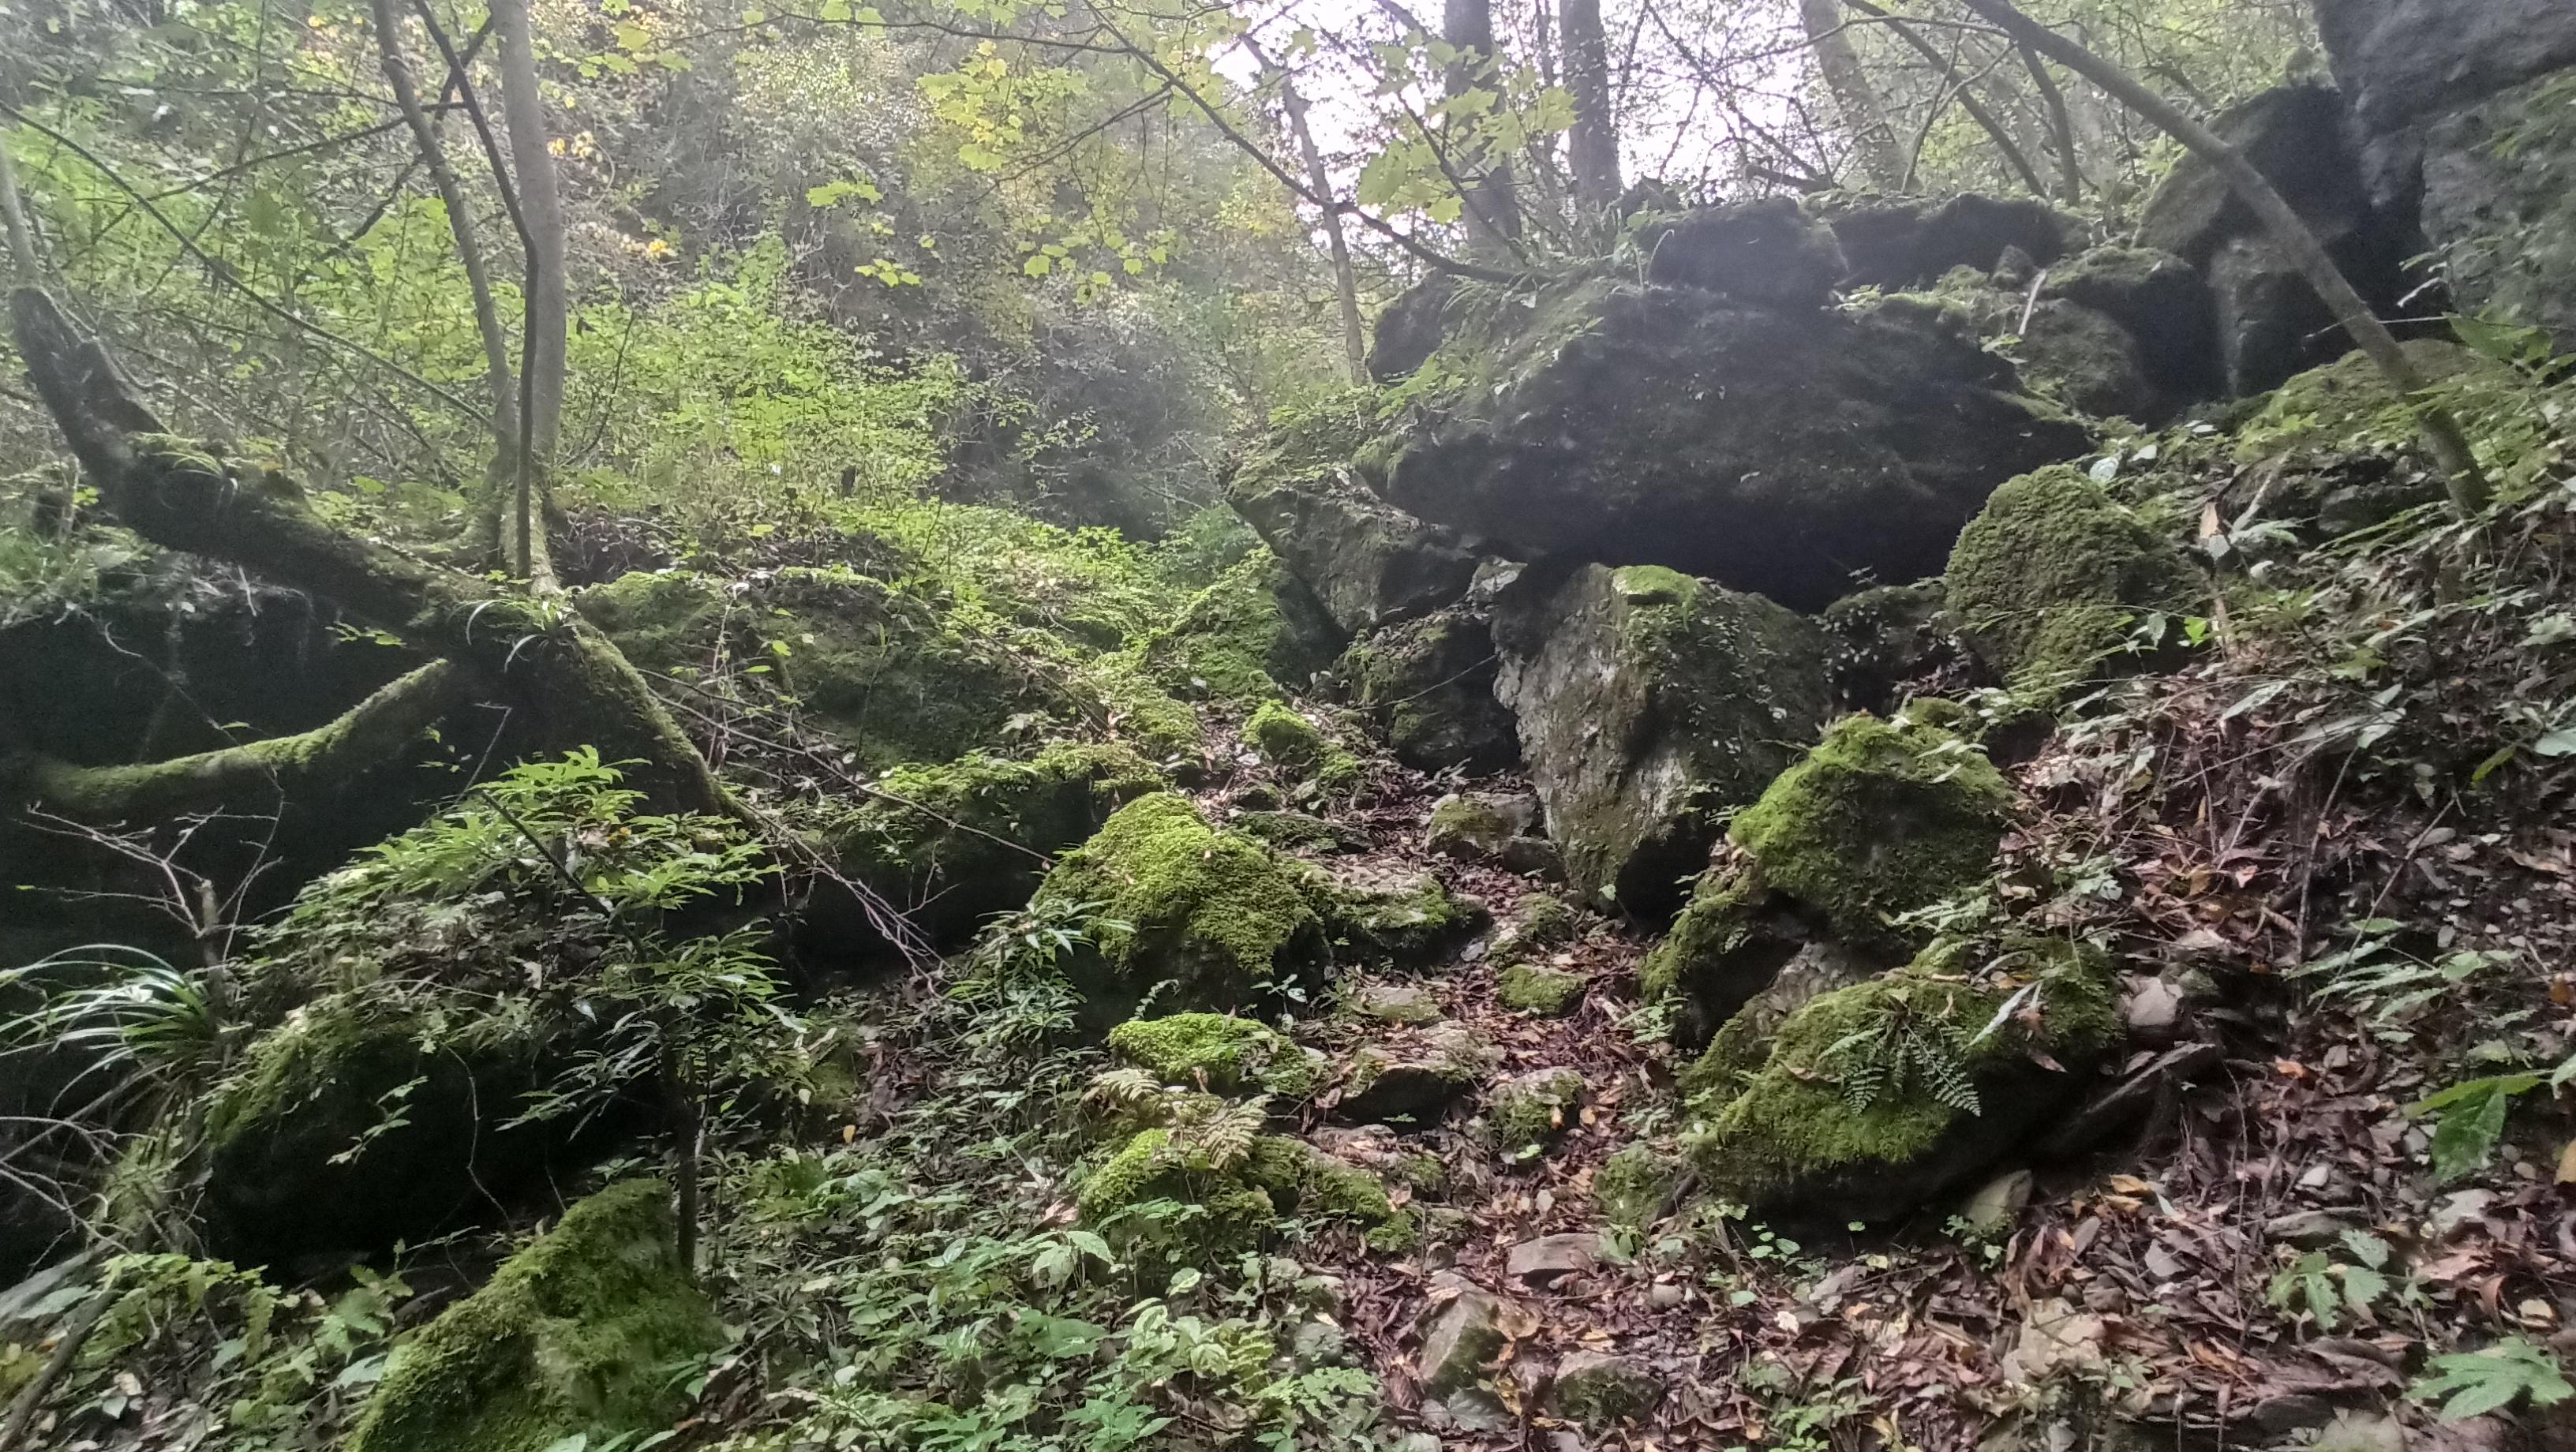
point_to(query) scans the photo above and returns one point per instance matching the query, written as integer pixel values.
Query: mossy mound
(1873, 1099)
(953, 844)
(878, 670)
(1213, 914)
(1238, 1199)
(1633, 1183)
(1878, 820)
(1545, 992)
(1255, 632)
(575, 1335)
(365, 1119)
(2048, 579)
(1528, 1111)
(1218, 1052)
(1286, 739)
(1544, 921)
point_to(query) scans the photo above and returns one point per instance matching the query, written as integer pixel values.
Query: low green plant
(2472, 1383)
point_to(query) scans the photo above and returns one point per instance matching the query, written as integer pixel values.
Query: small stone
(2291, 1411)
(1528, 1111)
(2457, 1212)
(1459, 1335)
(1998, 1203)
(1550, 1258)
(2308, 1229)
(2352, 1431)
(1546, 992)
(1413, 1074)
(1664, 1295)
(1533, 857)
(1474, 1409)
(1598, 1389)
(1402, 1003)
(2153, 1011)
(1479, 827)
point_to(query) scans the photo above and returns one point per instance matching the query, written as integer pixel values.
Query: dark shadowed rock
(1411, 328)
(1649, 702)
(1768, 252)
(2271, 323)
(2162, 301)
(1899, 244)
(1429, 683)
(2404, 64)
(1769, 450)
(1367, 561)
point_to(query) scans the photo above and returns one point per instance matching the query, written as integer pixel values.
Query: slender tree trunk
(469, 245)
(1958, 85)
(1593, 146)
(1346, 282)
(2061, 123)
(1882, 162)
(2442, 434)
(13, 213)
(1493, 203)
(532, 161)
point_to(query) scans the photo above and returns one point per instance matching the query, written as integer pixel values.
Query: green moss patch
(1545, 992)
(1529, 1111)
(1241, 1196)
(1217, 1052)
(1872, 1098)
(577, 1334)
(1213, 914)
(2047, 580)
(1245, 638)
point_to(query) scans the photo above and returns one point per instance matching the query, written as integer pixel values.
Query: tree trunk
(523, 113)
(2061, 123)
(2442, 435)
(469, 246)
(13, 214)
(1592, 149)
(1493, 204)
(1346, 282)
(556, 669)
(1882, 162)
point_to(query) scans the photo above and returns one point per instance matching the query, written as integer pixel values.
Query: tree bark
(2443, 437)
(1592, 148)
(532, 162)
(1882, 162)
(1346, 282)
(13, 214)
(469, 246)
(1493, 212)
(556, 669)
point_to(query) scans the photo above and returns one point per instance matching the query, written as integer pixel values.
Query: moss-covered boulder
(1649, 703)
(576, 1335)
(1878, 820)
(1234, 1199)
(1886, 639)
(1285, 738)
(1873, 1099)
(1395, 920)
(1541, 992)
(2163, 302)
(1255, 632)
(1212, 914)
(1772, 449)
(1429, 685)
(1527, 1112)
(1902, 242)
(955, 843)
(2335, 450)
(876, 669)
(365, 1119)
(1409, 1076)
(1220, 1053)
(1632, 1185)
(2050, 576)
(1367, 561)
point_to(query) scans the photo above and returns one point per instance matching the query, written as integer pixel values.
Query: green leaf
(633, 37)
(2472, 1121)
(2561, 742)
(2473, 1383)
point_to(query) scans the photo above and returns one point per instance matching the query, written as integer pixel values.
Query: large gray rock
(2506, 214)
(2270, 323)
(1649, 702)
(1767, 252)
(2159, 298)
(1367, 561)
(1771, 449)
(1898, 243)
(1429, 683)
(2406, 64)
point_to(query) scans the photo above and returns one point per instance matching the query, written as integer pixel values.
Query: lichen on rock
(575, 1335)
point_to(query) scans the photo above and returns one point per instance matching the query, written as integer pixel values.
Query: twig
(75, 1331)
